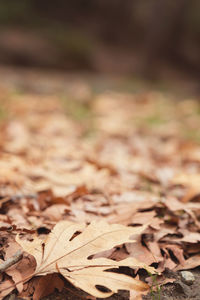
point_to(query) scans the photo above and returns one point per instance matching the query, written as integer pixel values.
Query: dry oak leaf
(70, 254)
(42, 286)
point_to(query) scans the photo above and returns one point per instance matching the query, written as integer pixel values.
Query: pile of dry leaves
(103, 193)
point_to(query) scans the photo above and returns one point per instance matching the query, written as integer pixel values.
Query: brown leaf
(22, 271)
(44, 286)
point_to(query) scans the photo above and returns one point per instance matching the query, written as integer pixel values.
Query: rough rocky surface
(187, 277)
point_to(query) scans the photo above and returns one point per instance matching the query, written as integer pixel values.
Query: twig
(11, 261)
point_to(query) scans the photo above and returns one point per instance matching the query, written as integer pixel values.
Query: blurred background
(147, 38)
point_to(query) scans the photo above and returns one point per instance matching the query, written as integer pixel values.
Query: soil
(178, 290)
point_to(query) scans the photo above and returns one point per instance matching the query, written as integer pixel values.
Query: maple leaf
(70, 253)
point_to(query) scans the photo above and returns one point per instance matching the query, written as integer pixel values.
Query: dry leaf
(70, 255)
(43, 286)
(190, 263)
(6, 287)
(140, 252)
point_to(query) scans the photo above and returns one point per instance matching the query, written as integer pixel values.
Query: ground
(79, 148)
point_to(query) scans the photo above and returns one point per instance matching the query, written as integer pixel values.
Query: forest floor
(86, 150)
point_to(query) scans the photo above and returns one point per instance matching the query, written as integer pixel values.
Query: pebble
(187, 277)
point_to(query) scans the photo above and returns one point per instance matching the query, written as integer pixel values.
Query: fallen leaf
(6, 287)
(45, 285)
(177, 251)
(190, 263)
(70, 255)
(140, 252)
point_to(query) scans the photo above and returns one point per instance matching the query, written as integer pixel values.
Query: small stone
(187, 277)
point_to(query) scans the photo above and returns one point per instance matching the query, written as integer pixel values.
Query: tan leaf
(65, 252)
(190, 263)
(140, 252)
(6, 287)
(177, 251)
(190, 180)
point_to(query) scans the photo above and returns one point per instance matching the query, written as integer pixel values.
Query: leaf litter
(104, 202)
